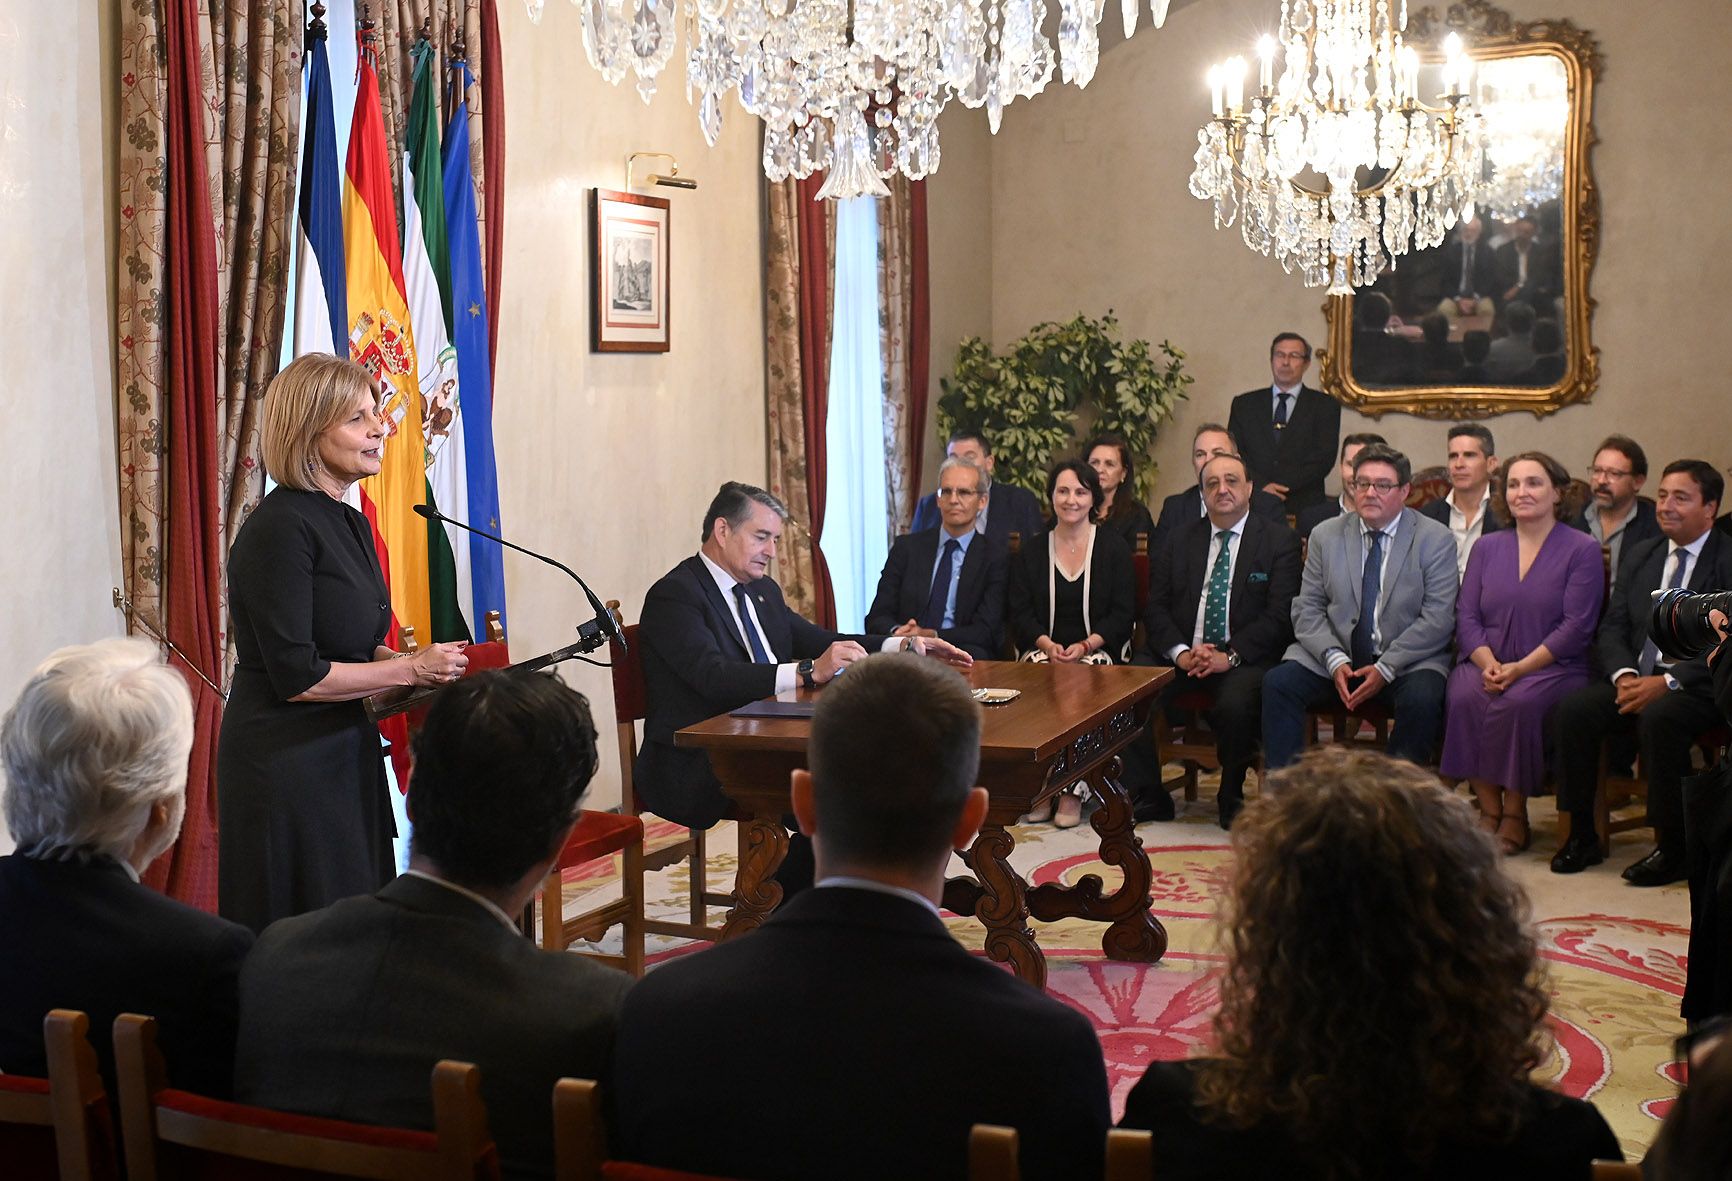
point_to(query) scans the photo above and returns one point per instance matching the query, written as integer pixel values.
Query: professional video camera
(1680, 626)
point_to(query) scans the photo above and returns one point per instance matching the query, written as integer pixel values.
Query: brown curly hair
(1382, 989)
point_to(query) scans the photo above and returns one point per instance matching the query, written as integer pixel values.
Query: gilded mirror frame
(1493, 34)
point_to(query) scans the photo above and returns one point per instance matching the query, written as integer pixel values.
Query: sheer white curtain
(856, 523)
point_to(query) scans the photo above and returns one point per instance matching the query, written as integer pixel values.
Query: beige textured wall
(57, 107)
(959, 249)
(1089, 210)
(607, 461)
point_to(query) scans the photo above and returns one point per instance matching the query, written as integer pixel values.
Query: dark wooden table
(1069, 725)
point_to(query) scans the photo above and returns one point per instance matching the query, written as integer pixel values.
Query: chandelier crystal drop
(1334, 167)
(850, 87)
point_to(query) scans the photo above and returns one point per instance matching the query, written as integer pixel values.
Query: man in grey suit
(1374, 617)
(345, 1011)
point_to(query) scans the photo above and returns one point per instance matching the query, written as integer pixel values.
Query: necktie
(759, 656)
(1650, 658)
(1363, 653)
(933, 616)
(1220, 586)
(1467, 269)
(1281, 397)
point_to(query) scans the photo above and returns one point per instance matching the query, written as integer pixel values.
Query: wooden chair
(1140, 571)
(1130, 1155)
(59, 1126)
(580, 1140)
(176, 1134)
(1622, 791)
(1606, 1170)
(992, 1154)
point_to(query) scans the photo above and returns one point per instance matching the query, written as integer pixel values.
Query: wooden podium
(1069, 725)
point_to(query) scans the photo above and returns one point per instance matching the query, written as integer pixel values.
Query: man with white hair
(95, 756)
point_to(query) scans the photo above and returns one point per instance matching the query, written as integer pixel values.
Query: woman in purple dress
(1525, 619)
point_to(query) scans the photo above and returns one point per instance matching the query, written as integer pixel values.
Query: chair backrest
(1140, 565)
(992, 1154)
(580, 1140)
(176, 1134)
(630, 702)
(59, 1126)
(1130, 1155)
(1606, 1170)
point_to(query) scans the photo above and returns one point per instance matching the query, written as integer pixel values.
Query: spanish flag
(381, 339)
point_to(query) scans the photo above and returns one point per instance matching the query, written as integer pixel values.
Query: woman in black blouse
(303, 814)
(1072, 590)
(1111, 459)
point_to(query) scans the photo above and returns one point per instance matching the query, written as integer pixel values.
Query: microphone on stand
(605, 626)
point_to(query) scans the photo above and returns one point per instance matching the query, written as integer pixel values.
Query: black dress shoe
(1577, 855)
(1659, 868)
(1157, 805)
(1229, 809)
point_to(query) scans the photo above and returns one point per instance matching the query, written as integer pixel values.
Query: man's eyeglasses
(1381, 487)
(1606, 473)
(957, 493)
(1292, 356)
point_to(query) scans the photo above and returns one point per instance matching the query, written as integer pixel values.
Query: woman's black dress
(303, 814)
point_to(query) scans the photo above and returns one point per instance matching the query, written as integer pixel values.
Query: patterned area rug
(1615, 958)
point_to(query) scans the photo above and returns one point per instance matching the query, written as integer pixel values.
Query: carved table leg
(1002, 907)
(756, 892)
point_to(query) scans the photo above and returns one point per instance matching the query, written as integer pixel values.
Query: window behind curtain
(856, 519)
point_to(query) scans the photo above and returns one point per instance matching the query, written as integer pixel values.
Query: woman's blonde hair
(310, 396)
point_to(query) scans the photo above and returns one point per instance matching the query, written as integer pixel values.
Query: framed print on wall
(628, 250)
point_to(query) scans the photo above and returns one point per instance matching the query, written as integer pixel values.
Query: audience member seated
(1467, 510)
(1381, 1004)
(95, 756)
(1220, 611)
(1529, 270)
(345, 1011)
(1380, 358)
(1475, 351)
(1693, 1144)
(1440, 360)
(1513, 355)
(1662, 703)
(1182, 508)
(851, 1032)
(1468, 267)
(939, 582)
(1073, 592)
(1549, 360)
(1617, 517)
(1111, 458)
(1525, 630)
(1374, 618)
(1316, 514)
(1286, 430)
(1013, 510)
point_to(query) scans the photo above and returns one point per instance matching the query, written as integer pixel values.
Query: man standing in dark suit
(1467, 509)
(938, 582)
(1344, 503)
(716, 635)
(1184, 508)
(1287, 431)
(1011, 509)
(1618, 517)
(1664, 703)
(898, 1039)
(345, 1011)
(94, 752)
(1220, 611)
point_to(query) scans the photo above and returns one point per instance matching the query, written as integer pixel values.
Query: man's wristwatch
(1232, 658)
(804, 668)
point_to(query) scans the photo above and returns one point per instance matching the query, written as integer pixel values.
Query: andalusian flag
(321, 302)
(427, 270)
(381, 339)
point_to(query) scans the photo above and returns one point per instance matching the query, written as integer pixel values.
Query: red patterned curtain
(905, 341)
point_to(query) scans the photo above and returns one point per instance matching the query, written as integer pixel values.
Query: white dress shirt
(1689, 554)
(877, 887)
(1237, 529)
(1467, 532)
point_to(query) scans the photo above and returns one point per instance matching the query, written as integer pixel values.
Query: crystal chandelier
(850, 87)
(1527, 100)
(1338, 169)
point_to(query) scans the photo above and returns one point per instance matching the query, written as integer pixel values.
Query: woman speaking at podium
(303, 813)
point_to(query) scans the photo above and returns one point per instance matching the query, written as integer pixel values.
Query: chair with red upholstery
(172, 1134)
(59, 1126)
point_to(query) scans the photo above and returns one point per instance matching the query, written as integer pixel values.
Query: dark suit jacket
(1644, 526)
(1484, 274)
(1708, 855)
(1315, 514)
(1301, 455)
(1556, 1139)
(1009, 510)
(1260, 607)
(1112, 599)
(88, 937)
(695, 666)
(906, 583)
(1545, 275)
(859, 1040)
(1624, 627)
(1438, 510)
(1182, 508)
(345, 1011)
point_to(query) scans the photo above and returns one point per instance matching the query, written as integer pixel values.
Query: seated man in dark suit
(938, 582)
(1374, 618)
(1012, 509)
(1329, 509)
(1618, 516)
(885, 1039)
(345, 1011)
(1286, 430)
(95, 756)
(1467, 510)
(1183, 508)
(1220, 611)
(1665, 704)
(1529, 270)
